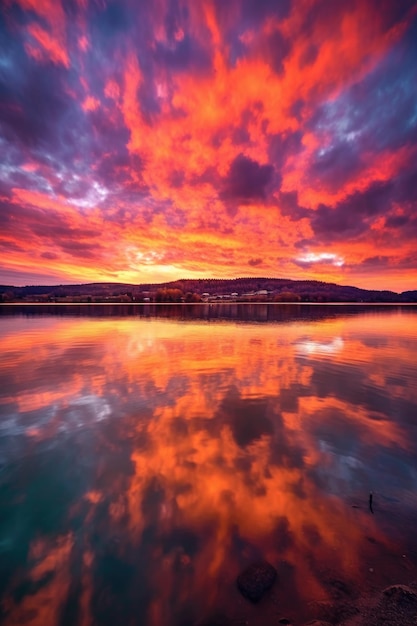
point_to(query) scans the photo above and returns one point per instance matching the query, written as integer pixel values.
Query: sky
(152, 140)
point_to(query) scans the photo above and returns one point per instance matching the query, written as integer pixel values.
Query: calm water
(147, 455)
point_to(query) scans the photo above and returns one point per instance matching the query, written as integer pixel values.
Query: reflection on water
(145, 459)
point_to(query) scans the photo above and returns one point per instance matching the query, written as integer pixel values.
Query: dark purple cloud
(397, 221)
(378, 262)
(353, 216)
(7, 246)
(336, 165)
(50, 256)
(281, 146)
(246, 180)
(288, 204)
(79, 249)
(185, 55)
(277, 49)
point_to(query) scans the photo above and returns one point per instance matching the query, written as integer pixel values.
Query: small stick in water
(370, 502)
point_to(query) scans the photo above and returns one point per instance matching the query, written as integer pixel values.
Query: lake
(149, 454)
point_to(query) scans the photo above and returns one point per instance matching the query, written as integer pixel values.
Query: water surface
(148, 454)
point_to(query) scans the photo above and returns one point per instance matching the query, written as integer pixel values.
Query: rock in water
(400, 595)
(256, 579)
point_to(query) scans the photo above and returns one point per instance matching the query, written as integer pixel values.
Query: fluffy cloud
(204, 132)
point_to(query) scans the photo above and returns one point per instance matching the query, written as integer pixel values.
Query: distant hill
(194, 290)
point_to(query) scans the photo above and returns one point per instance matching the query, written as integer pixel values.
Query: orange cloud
(53, 43)
(51, 46)
(90, 104)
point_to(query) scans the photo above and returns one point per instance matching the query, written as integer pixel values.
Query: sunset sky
(150, 140)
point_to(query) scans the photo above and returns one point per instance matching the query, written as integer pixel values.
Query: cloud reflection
(313, 347)
(155, 459)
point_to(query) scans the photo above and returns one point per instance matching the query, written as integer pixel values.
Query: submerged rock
(256, 579)
(400, 595)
